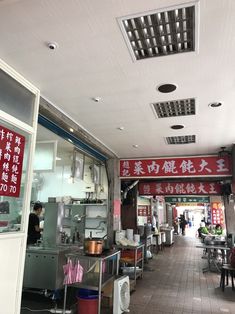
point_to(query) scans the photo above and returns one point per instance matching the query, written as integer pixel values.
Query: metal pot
(93, 246)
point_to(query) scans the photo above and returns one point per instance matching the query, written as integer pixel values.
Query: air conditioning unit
(121, 295)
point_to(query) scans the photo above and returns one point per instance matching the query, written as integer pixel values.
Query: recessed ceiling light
(167, 88)
(120, 128)
(70, 140)
(135, 145)
(57, 158)
(177, 126)
(215, 104)
(71, 130)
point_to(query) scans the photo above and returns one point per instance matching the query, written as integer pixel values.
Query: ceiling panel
(93, 60)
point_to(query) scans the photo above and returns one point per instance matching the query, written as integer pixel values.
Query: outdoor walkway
(175, 283)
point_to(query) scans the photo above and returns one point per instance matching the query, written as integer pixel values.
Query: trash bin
(87, 301)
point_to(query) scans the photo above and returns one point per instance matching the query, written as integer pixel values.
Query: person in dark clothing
(34, 231)
(183, 224)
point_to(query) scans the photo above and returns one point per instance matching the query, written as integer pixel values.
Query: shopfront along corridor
(174, 283)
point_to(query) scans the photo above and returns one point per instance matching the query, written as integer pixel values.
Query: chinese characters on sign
(203, 166)
(217, 216)
(188, 199)
(144, 211)
(179, 188)
(11, 161)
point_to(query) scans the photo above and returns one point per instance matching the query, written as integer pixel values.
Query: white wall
(57, 184)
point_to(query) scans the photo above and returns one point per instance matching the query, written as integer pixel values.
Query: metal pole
(65, 297)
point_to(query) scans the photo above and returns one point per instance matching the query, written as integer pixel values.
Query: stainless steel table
(212, 255)
(92, 280)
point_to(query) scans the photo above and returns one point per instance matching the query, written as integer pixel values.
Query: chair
(227, 270)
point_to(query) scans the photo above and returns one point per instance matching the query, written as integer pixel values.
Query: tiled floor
(174, 283)
(178, 285)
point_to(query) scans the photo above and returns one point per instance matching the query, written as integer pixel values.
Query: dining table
(216, 256)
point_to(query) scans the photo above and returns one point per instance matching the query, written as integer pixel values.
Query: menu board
(217, 216)
(11, 160)
(144, 211)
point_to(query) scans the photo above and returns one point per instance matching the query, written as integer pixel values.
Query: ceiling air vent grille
(175, 108)
(160, 33)
(186, 139)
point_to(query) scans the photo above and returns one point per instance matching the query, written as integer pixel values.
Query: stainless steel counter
(44, 267)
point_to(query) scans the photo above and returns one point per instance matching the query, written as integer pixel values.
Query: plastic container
(87, 301)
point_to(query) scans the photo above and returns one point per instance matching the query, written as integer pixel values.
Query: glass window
(15, 99)
(13, 151)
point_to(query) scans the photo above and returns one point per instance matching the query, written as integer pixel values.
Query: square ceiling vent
(161, 32)
(185, 139)
(174, 108)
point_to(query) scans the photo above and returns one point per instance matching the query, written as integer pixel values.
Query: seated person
(202, 230)
(218, 230)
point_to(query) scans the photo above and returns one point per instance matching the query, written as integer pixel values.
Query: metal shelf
(134, 261)
(91, 281)
(98, 217)
(93, 204)
(131, 262)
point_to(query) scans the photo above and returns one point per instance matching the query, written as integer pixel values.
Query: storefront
(19, 109)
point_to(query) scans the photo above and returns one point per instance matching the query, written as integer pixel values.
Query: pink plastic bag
(77, 272)
(68, 272)
(73, 272)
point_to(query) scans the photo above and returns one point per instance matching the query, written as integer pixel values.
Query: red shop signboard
(217, 216)
(179, 188)
(201, 166)
(11, 161)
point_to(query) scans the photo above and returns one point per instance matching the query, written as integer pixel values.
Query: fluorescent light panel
(186, 139)
(175, 108)
(160, 33)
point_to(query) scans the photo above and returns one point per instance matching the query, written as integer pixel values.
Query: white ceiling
(93, 61)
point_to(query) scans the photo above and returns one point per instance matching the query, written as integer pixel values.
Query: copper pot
(93, 246)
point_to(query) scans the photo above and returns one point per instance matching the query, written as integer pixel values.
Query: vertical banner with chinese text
(217, 216)
(11, 161)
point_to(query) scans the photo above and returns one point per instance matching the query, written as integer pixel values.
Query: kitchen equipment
(78, 218)
(169, 231)
(147, 229)
(94, 246)
(137, 238)
(119, 234)
(129, 234)
(214, 242)
(140, 230)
